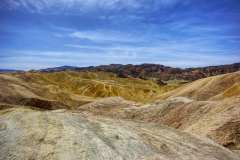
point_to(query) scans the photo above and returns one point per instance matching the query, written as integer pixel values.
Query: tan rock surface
(211, 88)
(218, 117)
(62, 135)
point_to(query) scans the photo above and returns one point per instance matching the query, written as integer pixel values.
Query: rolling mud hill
(211, 88)
(208, 107)
(61, 89)
(97, 115)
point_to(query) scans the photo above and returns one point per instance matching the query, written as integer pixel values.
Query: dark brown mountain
(9, 71)
(155, 71)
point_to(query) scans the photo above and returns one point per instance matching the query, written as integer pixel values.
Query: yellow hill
(212, 88)
(208, 107)
(76, 88)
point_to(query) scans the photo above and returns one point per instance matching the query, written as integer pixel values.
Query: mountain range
(155, 71)
(9, 70)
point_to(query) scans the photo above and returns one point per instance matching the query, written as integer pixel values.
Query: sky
(36, 34)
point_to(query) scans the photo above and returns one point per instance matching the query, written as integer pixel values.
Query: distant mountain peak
(154, 71)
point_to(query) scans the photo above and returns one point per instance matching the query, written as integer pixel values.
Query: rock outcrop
(60, 135)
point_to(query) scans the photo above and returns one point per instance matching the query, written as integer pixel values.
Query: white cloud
(86, 5)
(172, 55)
(103, 35)
(170, 2)
(82, 5)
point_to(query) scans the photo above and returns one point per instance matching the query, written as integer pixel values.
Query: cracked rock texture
(27, 134)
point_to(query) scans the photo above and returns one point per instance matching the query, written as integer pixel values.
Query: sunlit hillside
(76, 88)
(59, 109)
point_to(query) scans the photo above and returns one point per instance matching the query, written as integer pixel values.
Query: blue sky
(180, 33)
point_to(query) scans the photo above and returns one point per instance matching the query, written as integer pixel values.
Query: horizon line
(27, 70)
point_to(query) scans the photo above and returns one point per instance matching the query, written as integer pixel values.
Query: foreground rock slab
(27, 134)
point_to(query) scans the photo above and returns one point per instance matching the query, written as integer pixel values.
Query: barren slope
(62, 135)
(217, 118)
(211, 88)
(75, 88)
(114, 128)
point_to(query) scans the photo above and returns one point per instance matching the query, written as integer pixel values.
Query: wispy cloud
(91, 32)
(39, 59)
(103, 35)
(85, 5)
